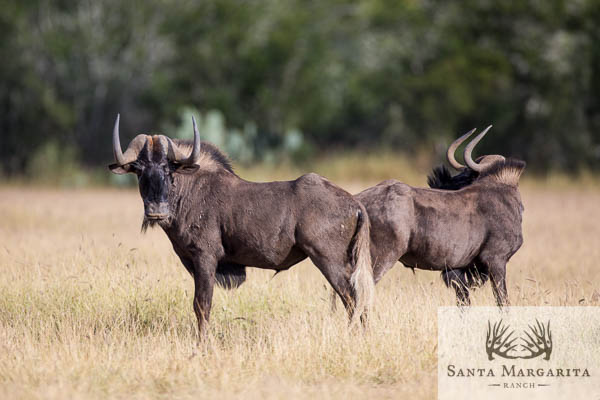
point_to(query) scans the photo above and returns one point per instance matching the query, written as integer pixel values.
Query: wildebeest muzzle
(156, 210)
(154, 190)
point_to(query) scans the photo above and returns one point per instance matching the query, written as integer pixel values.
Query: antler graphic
(540, 341)
(497, 344)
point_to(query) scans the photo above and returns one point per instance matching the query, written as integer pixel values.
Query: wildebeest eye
(135, 167)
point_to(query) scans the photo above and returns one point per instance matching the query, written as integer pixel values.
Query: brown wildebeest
(468, 233)
(218, 223)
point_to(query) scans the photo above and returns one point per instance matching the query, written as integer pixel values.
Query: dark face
(155, 178)
(154, 181)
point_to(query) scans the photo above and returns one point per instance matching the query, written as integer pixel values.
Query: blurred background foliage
(293, 80)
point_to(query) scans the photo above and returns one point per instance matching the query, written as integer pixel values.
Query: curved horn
(452, 149)
(176, 154)
(119, 158)
(133, 150)
(193, 158)
(467, 155)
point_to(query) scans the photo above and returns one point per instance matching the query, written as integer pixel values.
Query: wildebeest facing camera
(219, 223)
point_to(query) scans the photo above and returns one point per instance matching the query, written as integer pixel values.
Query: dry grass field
(91, 308)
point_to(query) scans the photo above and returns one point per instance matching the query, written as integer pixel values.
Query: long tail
(362, 278)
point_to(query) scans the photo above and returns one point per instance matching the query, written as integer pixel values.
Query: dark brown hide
(218, 223)
(468, 233)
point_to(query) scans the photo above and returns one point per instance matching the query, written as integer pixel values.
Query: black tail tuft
(230, 276)
(441, 178)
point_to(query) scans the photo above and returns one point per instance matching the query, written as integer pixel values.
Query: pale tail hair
(362, 278)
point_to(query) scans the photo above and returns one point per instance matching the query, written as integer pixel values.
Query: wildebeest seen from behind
(465, 233)
(219, 223)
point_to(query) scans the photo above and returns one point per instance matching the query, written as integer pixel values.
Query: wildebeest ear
(120, 170)
(186, 169)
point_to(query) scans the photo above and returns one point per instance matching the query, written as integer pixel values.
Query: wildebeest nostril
(157, 209)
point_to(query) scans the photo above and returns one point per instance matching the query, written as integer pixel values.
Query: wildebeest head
(155, 159)
(441, 178)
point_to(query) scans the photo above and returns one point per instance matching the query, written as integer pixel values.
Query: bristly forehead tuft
(157, 147)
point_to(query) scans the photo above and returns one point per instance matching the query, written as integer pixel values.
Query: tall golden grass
(91, 308)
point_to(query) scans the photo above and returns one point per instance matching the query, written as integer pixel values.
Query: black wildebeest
(219, 223)
(468, 233)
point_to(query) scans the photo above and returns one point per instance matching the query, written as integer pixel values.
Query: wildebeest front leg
(497, 270)
(204, 281)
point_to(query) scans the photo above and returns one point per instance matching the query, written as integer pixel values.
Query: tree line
(291, 78)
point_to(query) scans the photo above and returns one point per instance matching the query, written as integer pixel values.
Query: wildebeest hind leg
(348, 304)
(338, 277)
(379, 270)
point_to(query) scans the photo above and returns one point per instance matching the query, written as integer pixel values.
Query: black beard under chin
(151, 223)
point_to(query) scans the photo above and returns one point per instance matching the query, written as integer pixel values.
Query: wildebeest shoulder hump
(311, 179)
(388, 182)
(385, 191)
(400, 189)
